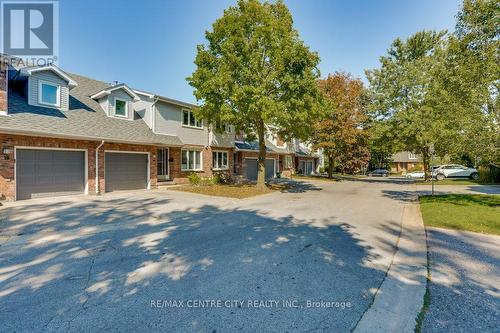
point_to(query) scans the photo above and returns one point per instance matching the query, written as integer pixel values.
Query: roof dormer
(117, 101)
(48, 86)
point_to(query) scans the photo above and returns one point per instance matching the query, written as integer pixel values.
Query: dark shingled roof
(85, 119)
(404, 156)
(254, 145)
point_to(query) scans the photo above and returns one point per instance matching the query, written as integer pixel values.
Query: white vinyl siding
(168, 121)
(220, 160)
(191, 160)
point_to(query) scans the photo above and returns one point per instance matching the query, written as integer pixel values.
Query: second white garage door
(125, 171)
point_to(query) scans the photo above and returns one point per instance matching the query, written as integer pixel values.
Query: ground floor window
(219, 160)
(191, 160)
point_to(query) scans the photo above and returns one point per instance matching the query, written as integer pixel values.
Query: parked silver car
(415, 174)
(455, 171)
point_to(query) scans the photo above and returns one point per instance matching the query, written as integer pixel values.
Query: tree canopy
(340, 132)
(254, 71)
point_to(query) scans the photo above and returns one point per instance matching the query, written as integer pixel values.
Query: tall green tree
(472, 80)
(340, 132)
(254, 71)
(407, 96)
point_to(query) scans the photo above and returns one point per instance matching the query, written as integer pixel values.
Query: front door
(162, 163)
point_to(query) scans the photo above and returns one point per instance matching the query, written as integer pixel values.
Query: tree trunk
(426, 160)
(330, 165)
(261, 173)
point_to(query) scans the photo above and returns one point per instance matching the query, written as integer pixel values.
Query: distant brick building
(406, 161)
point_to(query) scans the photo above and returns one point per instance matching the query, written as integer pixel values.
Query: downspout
(153, 114)
(97, 167)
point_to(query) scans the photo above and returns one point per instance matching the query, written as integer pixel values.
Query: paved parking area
(165, 260)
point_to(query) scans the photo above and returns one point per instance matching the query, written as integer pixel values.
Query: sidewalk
(400, 297)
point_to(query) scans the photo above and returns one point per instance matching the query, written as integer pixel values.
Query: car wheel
(385, 175)
(474, 176)
(440, 176)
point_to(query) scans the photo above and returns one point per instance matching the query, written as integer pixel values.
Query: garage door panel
(49, 173)
(251, 168)
(269, 168)
(126, 171)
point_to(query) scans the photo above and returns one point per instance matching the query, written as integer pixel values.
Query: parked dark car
(378, 172)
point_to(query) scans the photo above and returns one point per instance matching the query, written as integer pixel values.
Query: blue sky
(150, 45)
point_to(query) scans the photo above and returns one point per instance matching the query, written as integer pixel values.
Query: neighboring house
(284, 157)
(62, 133)
(307, 160)
(405, 161)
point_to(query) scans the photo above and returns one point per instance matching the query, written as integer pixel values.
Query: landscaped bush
(217, 179)
(221, 178)
(489, 174)
(321, 170)
(194, 179)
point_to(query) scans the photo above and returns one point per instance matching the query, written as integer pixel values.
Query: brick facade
(3, 88)
(7, 161)
(180, 177)
(239, 165)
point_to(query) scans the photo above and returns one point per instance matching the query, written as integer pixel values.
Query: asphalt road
(309, 259)
(465, 284)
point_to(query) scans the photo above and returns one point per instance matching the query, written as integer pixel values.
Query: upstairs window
(412, 156)
(121, 108)
(48, 94)
(219, 160)
(188, 119)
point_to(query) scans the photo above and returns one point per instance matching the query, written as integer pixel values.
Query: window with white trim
(190, 160)
(412, 156)
(121, 108)
(288, 162)
(49, 93)
(189, 119)
(219, 160)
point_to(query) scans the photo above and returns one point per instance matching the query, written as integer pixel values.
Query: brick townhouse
(62, 133)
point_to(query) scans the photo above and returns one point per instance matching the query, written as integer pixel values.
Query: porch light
(6, 150)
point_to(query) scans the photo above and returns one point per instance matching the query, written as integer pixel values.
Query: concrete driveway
(309, 259)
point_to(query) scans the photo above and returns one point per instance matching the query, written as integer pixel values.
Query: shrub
(489, 174)
(194, 179)
(321, 170)
(217, 179)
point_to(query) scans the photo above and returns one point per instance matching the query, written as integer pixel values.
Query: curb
(400, 297)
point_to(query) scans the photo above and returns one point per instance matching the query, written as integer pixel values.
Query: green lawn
(471, 212)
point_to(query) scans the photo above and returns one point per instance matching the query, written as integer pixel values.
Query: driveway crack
(85, 292)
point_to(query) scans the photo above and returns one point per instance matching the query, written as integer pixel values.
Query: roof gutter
(82, 137)
(97, 191)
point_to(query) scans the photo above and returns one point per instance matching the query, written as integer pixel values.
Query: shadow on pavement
(465, 282)
(97, 265)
